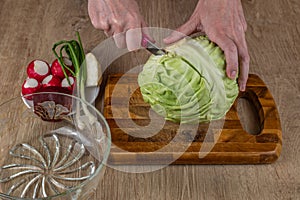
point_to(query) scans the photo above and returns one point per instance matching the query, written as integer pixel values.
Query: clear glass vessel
(52, 146)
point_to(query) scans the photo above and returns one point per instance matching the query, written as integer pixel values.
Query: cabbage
(189, 83)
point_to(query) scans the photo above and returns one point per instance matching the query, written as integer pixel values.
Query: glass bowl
(57, 148)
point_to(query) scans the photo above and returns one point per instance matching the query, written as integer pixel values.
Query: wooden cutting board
(140, 136)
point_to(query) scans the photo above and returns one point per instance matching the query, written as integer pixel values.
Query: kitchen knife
(151, 47)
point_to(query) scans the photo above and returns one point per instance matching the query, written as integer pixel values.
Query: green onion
(74, 51)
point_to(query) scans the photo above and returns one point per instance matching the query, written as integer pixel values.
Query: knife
(151, 47)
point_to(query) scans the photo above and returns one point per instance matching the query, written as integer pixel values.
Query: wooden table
(30, 27)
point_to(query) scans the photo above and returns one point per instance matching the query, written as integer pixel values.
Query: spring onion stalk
(74, 50)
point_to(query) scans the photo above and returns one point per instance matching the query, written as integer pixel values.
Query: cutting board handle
(250, 112)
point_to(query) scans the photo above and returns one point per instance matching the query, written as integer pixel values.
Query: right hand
(120, 19)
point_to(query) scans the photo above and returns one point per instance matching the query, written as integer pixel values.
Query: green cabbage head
(189, 83)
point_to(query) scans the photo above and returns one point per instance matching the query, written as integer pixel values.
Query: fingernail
(242, 88)
(233, 74)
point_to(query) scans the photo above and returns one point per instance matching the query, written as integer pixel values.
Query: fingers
(237, 56)
(244, 63)
(243, 76)
(133, 39)
(243, 52)
(186, 29)
(231, 54)
(123, 38)
(120, 40)
(128, 35)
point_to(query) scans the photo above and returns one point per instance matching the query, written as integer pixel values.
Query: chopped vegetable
(94, 73)
(29, 86)
(189, 83)
(38, 69)
(56, 68)
(51, 81)
(66, 84)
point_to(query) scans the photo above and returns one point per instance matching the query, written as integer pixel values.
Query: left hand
(224, 23)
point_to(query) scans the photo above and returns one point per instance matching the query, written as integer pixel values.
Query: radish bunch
(42, 77)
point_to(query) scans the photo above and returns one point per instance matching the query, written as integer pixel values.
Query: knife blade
(151, 47)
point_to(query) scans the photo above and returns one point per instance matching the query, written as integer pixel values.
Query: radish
(51, 81)
(57, 70)
(30, 86)
(66, 84)
(38, 69)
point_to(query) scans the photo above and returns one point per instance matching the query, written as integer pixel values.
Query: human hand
(120, 19)
(224, 23)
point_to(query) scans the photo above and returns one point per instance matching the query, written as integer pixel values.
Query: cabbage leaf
(189, 83)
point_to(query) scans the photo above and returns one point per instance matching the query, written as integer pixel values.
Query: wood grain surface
(142, 137)
(29, 28)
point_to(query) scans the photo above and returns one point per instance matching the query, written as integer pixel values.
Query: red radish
(56, 68)
(51, 81)
(65, 83)
(38, 69)
(30, 86)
